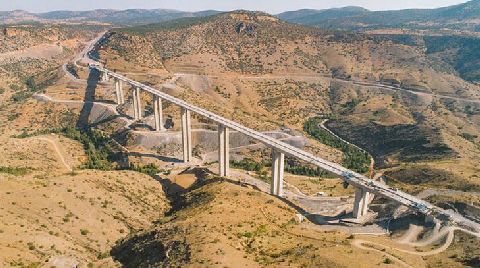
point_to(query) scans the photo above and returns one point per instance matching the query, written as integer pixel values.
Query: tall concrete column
(362, 199)
(135, 104)
(158, 113)
(136, 95)
(117, 90)
(278, 162)
(223, 150)
(120, 90)
(186, 135)
(367, 198)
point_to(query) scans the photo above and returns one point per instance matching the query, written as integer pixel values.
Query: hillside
(317, 17)
(31, 56)
(247, 65)
(53, 211)
(110, 16)
(461, 17)
(83, 184)
(205, 231)
(52, 208)
(420, 126)
(260, 44)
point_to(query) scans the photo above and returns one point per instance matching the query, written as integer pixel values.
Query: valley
(87, 182)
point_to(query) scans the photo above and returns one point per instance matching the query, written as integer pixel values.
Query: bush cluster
(354, 158)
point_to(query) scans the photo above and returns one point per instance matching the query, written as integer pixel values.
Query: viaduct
(365, 187)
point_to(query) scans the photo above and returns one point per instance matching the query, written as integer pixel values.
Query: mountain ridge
(344, 18)
(355, 19)
(112, 16)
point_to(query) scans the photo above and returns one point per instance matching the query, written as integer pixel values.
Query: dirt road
(53, 142)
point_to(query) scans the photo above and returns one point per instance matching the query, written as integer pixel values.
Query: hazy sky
(271, 6)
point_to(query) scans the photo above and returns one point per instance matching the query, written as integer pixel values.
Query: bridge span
(363, 184)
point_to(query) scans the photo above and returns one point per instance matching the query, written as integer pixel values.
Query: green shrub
(247, 164)
(17, 171)
(15, 87)
(354, 158)
(149, 169)
(293, 166)
(100, 153)
(72, 69)
(468, 136)
(21, 96)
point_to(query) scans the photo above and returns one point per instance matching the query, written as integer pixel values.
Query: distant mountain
(118, 17)
(466, 11)
(16, 16)
(464, 16)
(460, 16)
(129, 16)
(313, 17)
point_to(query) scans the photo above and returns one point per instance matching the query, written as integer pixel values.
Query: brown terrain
(115, 194)
(253, 66)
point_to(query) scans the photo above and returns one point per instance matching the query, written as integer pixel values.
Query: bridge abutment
(278, 162)
(186, 135)
(223, 150)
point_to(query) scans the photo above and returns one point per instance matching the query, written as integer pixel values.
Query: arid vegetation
(83, 184)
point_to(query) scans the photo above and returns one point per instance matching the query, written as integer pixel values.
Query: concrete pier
(137, 100)
(135, 104)
(186, 135)
(362, 199)
(117, 90)
(278, 162)
(223, 150)
(158, 113)
(104, 77)
(120, 91)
